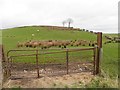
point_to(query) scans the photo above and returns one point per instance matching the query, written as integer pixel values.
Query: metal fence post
(94, 62)
(37, 63)
(67, 60)
(8, 67)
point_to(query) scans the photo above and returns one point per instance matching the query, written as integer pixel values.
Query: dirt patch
(51, 75)
(53, 68)
(50, 82)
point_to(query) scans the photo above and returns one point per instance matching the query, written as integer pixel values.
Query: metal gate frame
(95, 61)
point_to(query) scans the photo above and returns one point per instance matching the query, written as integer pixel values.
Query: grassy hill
(24, 34)
(11, 37)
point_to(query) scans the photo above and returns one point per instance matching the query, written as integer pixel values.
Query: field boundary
(96, 55)
(94, 49)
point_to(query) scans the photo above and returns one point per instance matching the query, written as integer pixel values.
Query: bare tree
(69, 20)
(63, 23)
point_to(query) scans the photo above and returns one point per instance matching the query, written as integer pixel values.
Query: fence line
(63, 51)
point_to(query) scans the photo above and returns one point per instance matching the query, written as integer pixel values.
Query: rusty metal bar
(23, 55)
(97, 61)
(94, 62)
(55, 52)
(70, 50)
(67, 60)
(17, 50)
(37, 63)
(8, 68)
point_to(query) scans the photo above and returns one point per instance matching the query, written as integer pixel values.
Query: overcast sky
(96, 15)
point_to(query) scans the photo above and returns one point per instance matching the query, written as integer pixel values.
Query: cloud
(86, 14)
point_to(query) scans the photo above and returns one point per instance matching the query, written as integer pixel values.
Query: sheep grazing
(71, 43)
(35, 44)
(117, 40)
(107, 42)
(91, 31)
(45, 45)
(92, 43)
(55, 43)
(27, 44)
(108, 37)
(20, 45)
(49, 40)
(83, 42)
(77, 43)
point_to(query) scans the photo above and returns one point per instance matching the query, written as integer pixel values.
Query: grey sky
(96, 15)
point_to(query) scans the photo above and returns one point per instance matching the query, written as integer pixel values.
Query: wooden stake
(99, 42)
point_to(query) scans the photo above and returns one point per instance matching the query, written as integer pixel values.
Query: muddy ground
(51, 75)
(53, 68)
(70, 80)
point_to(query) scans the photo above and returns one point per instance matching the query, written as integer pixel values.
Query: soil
(52, 69)
(51, 75)
(44, 81)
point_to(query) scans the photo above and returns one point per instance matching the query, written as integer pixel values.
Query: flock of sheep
(112, 39)
(55, 43)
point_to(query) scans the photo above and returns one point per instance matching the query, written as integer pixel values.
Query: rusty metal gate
(51, 62)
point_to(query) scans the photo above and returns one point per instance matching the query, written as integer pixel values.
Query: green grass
(24, 34)
(10, 38)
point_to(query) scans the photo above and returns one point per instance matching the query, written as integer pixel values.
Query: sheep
(49, 44)
(76, 44)
(107, 42)
(91, 31)
(92, 43)
(55, 43)
(83, 42)
(117, 40)
(64, 43)
(71, 43)
(20, 44)
(45, 45)
(27, 44)
(34, 44)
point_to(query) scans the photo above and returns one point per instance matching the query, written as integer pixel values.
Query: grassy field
(109, 63)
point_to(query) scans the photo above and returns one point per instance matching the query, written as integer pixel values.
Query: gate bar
(37, 63)
(67, 60)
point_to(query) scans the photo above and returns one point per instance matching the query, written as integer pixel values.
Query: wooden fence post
(99, 43)
(37, 63)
